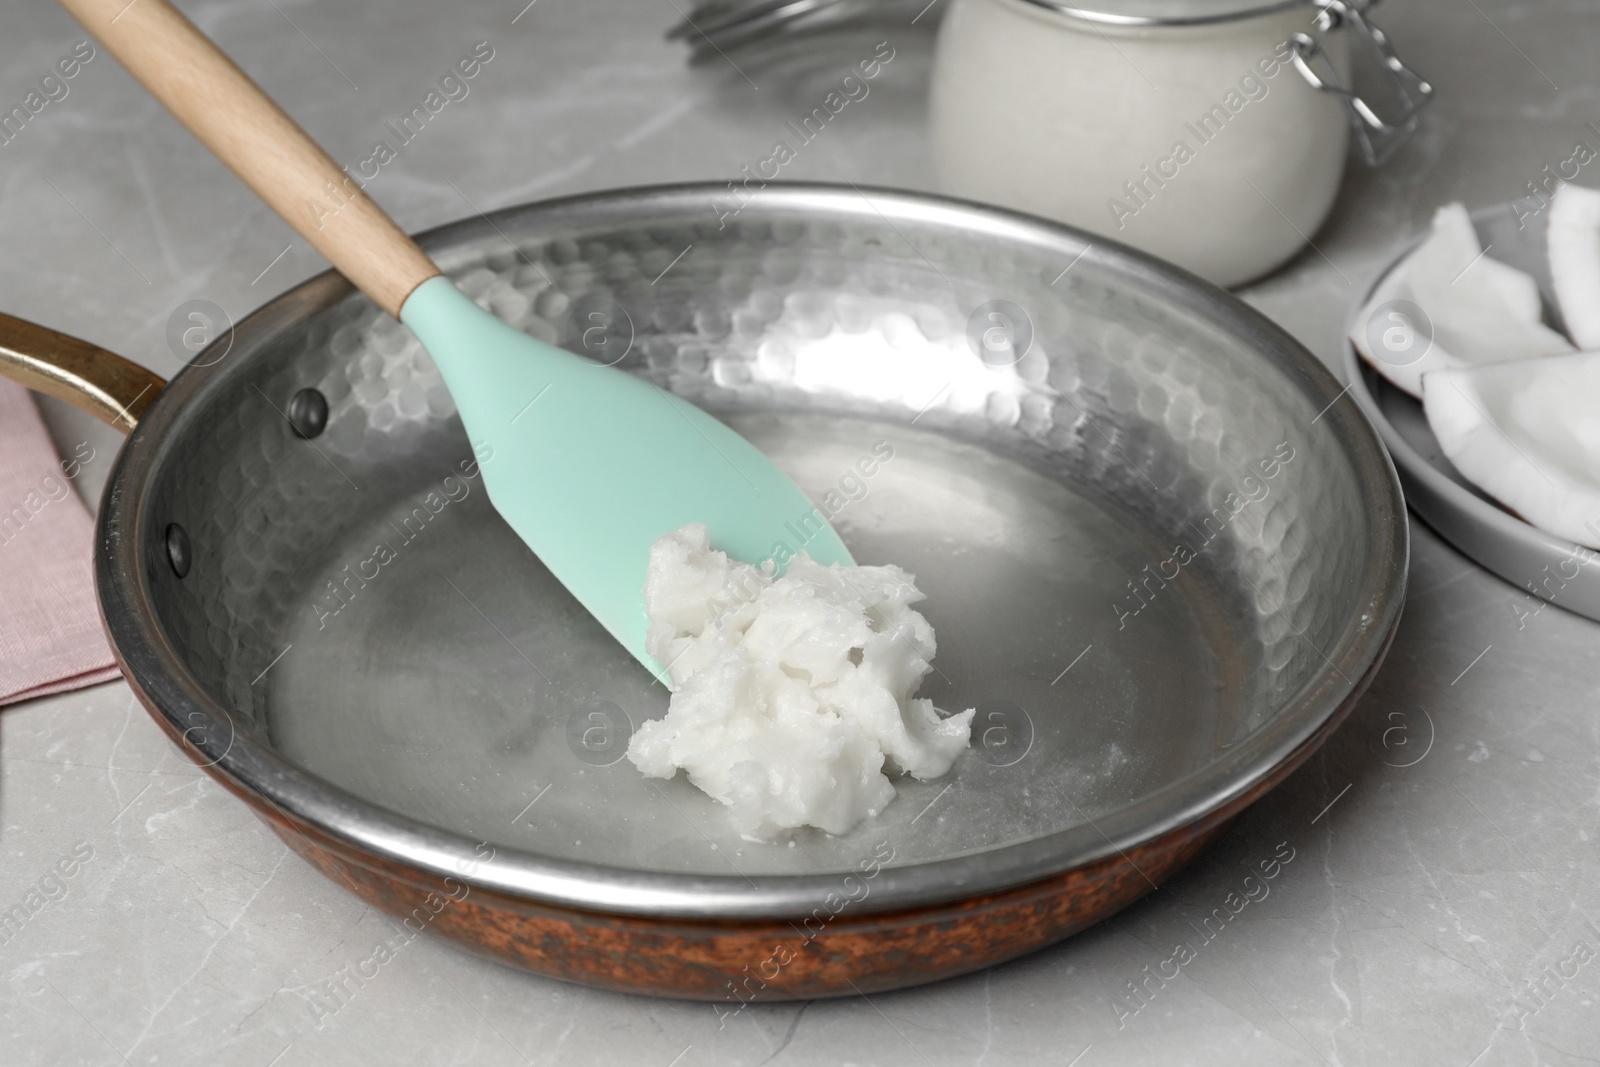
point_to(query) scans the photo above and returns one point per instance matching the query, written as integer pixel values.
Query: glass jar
(1212, 133)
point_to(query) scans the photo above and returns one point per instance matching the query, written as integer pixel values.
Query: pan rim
(157, 670)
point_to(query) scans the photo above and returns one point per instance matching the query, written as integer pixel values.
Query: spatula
(590, 464)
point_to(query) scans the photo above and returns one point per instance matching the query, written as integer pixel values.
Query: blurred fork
(717, 27)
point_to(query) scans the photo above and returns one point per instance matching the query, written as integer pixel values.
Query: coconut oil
(1191, 134)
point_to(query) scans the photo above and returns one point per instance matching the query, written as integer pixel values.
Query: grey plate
(458, 695)
(1540, 564)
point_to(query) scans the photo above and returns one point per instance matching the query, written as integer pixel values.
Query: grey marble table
(1444, 844)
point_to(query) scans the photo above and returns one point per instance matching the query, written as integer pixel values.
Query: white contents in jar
(1199, 142)
(791, 695)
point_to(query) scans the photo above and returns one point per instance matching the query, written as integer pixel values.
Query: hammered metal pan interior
(1158, 555)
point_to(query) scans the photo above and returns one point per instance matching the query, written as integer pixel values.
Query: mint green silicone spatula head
(590, 464)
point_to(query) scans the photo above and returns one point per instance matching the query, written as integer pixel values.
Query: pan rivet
(308, 413)
(178, 549)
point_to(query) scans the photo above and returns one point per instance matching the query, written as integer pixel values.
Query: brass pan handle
(112, 389)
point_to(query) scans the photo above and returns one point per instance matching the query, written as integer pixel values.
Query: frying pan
(1163, 558)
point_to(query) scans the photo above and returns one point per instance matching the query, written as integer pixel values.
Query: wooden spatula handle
(240, 125)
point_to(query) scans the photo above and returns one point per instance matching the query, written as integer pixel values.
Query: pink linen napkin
(50, 635)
